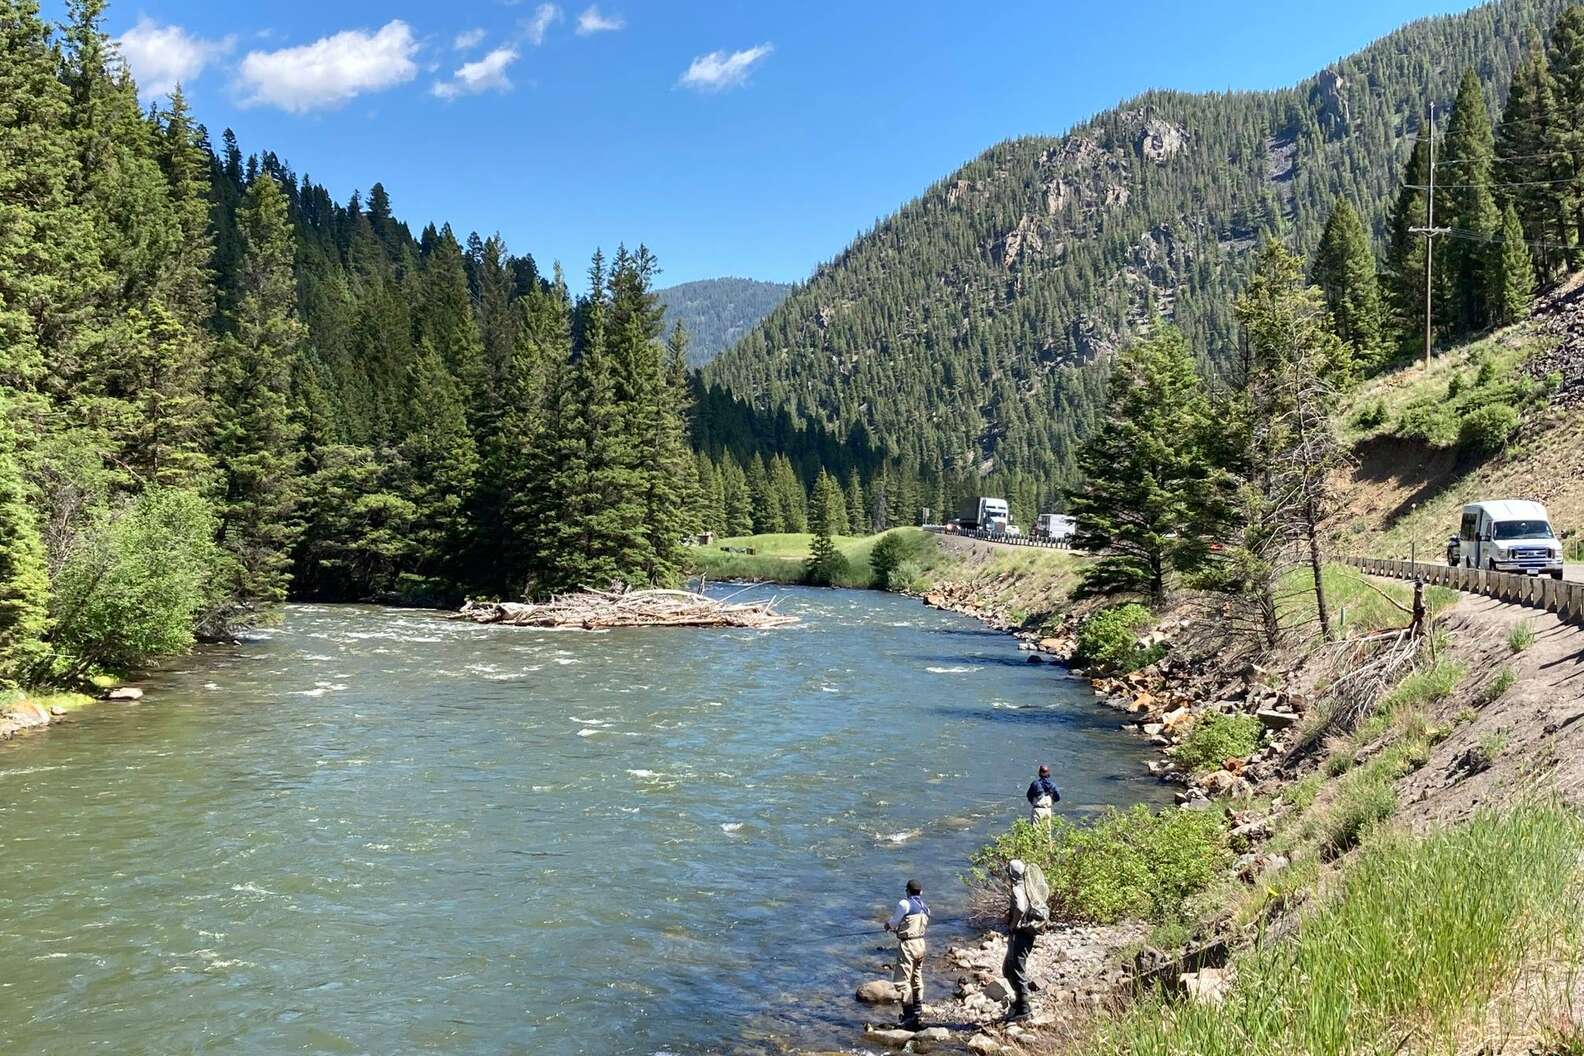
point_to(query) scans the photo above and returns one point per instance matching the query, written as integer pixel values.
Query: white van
(1508, 535)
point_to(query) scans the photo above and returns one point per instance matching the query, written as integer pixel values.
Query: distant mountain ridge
(972, 328)
(718, 312)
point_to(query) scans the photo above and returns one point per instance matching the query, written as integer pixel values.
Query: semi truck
(984, 514)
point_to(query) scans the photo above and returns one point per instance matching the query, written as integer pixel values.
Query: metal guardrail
(1008, 540)
(1537, 592)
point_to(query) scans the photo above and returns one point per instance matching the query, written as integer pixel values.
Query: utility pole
(1430, 231)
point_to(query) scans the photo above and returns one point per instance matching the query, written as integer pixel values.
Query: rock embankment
(1077, 970)
(21, 716)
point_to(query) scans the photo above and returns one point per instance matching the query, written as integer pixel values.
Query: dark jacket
(1043, 787)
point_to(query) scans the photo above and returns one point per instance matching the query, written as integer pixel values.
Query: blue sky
(734, 138)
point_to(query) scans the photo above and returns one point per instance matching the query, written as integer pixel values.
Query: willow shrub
(1134, 863)
(1108, 640)
(1424, 941)
(1217, 738)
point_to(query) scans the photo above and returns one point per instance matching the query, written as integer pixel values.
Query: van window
(1521, 530)
(1470, 520)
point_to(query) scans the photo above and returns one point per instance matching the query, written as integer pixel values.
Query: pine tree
(825, 564)
(1144, 505)
(439, 466)
(597, 536)
(445, 319)
(1514, 280)
(1467, 205)
(1405, 269)
(255, 440)
(1296, 366)
(24, 584)
(1529, 168)
(736, 498)
(48, 250)
(857, 516)
(1565, 60)
(1344, 268)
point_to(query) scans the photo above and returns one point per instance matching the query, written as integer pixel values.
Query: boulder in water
(878, 992)
(127, 694)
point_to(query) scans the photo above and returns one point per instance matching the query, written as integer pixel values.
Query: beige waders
(909, 975)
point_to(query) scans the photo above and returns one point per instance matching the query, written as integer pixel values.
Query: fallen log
(594, 610)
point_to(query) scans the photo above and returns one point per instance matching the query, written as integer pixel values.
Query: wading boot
(910, 1018)
(1020, 1012)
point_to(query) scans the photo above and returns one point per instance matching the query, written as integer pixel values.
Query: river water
(377, 831)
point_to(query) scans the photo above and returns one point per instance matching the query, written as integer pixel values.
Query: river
(377, 831)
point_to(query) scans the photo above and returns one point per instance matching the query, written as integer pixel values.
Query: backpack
(1037, 891)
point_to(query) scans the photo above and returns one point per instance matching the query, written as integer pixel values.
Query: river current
(376, 831)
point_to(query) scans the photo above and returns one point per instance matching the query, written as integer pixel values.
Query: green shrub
(137, 582)
(1430, 422)
(1371, 415)
(1217, 738)
(1135, 863)
(1487, 429)
(884, 559)
(1521, 637)
(1108, 640)
(904, 575)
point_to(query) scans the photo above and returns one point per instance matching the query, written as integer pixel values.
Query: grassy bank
(779, 558)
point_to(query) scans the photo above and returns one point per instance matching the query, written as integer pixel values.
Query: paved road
(1574, 573)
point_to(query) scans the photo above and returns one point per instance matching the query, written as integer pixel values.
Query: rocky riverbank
(26, 714)
(1078, 970)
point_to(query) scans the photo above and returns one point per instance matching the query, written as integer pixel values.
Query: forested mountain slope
(972, 328)
(718, 312)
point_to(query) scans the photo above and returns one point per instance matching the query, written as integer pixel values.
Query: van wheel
(1556, 575)
(1490, 564)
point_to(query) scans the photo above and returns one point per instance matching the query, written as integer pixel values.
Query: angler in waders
(909, 923)
(1028, 911)
(1042, 797)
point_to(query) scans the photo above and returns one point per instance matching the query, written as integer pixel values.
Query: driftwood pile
(597, 610)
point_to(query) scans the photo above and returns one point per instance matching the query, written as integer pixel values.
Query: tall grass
(1422, 938)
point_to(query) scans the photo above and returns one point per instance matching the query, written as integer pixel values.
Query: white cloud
(593, 21)
(332, 70)
(719, 70)
(161, 57)
(468, 40)
(486, 75)
(544, 16)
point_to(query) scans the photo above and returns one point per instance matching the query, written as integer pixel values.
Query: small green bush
(1487, 429)
(1108, 640)
(887, 555)
(1521, 637)
(1371, 415)
(1423, 687)
(1215, 739)
(1430, 422)
(1134, 863)
(904, 575)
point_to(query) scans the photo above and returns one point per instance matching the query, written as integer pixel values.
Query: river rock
(8, 729)
(1035, 658)
(983, 1045)
(28, 714)
(997, 990)
(1272, 719)
(878, 992)
(890, 1038)
(127, 694)
(931, 1039)
(1207, 986)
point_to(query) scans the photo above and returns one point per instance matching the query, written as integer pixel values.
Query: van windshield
(1521, 530)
